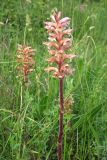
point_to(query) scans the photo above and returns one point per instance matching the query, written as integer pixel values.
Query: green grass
(29, 117)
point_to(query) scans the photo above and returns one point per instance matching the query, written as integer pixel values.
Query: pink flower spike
(58, 30)
(25, 60)
(59, 41)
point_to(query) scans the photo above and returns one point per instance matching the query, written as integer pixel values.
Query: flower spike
(59, 42)
(25, 60)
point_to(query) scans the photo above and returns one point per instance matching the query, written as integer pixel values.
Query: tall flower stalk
(59, 41)
(25, 61)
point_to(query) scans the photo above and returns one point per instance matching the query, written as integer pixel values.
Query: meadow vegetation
(29, 115)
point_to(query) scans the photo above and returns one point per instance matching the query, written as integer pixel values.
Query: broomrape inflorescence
(59, 42)
(58, 30)
(25, 60)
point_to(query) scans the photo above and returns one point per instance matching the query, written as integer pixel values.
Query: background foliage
(29, 117)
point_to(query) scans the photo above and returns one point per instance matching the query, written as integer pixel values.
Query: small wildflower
(25, 60)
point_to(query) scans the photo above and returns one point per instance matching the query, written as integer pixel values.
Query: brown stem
(25, 78)
(25, 72)
(60, 135)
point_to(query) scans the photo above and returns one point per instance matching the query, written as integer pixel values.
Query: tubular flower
(59, 42)
(25, 60)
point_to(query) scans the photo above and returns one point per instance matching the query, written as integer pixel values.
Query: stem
(25, 35)
(25, 78)
(21, 98)
(61, 112)
(25, 71)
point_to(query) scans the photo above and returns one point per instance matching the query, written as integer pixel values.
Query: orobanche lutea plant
(25, 61)
(59, 42)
